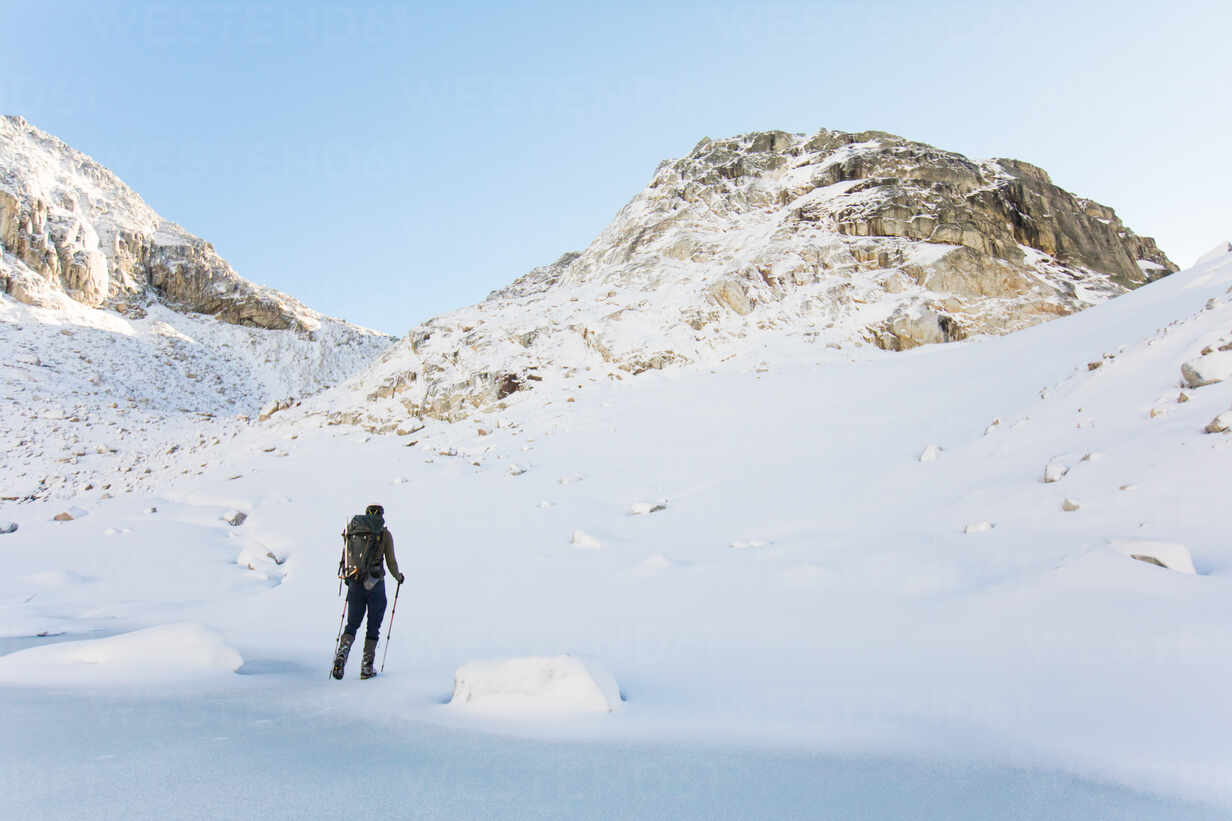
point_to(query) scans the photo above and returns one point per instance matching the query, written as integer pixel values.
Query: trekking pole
(338, 640)
(390, 631)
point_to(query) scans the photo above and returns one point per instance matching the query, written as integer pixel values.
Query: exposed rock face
(836, 238)
(70, 228)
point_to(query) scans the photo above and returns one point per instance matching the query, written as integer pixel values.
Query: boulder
(1207, 369)
(1172, 555)
(584, 540)
(8, 527)
(1220, 424)
(1069, 506)
(235, 518)
(1054, 472)
(535, 685)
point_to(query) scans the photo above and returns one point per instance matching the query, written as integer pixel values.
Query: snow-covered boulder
(978, 527)
(8, 527)
(645, 508)
(930, 453)
(1054, 472)
(535, 684)
(1220, 424)
(1208, 369)
(1172, 555)
(235, 518)
(584, 540)
(168, 652)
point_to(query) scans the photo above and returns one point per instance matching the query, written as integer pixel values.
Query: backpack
(361, 547)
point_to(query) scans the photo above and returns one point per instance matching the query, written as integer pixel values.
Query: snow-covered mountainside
(838, 239)
(969, 581)
(123, 336)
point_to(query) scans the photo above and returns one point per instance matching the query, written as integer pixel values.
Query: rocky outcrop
(836, 238)
(69, 228)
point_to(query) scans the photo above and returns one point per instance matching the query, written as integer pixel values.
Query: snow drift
(535, 684)
(172, 651)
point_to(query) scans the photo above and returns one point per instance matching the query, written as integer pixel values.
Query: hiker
(367, 547)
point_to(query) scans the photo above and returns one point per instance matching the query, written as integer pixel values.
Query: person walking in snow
(368, 547)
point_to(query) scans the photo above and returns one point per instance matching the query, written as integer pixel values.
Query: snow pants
(359, 600)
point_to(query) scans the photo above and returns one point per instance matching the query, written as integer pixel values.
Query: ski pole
(390, 631)
(338, 640)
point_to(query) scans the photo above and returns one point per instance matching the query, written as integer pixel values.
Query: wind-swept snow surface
(859, 656)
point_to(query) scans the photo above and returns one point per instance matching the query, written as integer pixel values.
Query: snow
(584, 540)
(535, 684)
(808, 617)
(1207, 369)
(1215, 255)
(155, 654)
(1175, 556)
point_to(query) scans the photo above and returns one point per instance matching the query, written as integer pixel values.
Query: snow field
(155, 654)
(855, 619)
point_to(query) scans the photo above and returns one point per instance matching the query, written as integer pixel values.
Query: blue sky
(386, 163)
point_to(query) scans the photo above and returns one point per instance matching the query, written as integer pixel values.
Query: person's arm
(390, 560)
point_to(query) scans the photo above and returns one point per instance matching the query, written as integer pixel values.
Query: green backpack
(361, 547)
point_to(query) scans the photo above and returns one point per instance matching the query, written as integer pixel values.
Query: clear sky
(386, 163)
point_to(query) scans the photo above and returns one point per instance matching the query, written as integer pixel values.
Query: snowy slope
(839, 240)
(806, 601)
(123, 337)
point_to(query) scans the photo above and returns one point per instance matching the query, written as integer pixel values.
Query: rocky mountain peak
(70, 229)
(837, 238)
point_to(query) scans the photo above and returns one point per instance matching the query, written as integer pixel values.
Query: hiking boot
(344, 650)
(365, 670)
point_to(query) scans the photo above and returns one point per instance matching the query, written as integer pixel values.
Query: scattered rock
(151, 509)
(643, 508)
(516, 470)
(1157, 412)
(582, 539)
(273, 408)
(1220, 424)
(930, 453)
(992, 426)
(235, 518)
(1054, 472)
(8, 527)
(1207, 369)
(1091, 366)
(978, 527)
(1183, 398)
(1093, 456)
(1069, 506)
(62, 517)
(1128, 487)
(1170, 555)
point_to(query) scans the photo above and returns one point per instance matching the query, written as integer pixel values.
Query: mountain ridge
(845, 238)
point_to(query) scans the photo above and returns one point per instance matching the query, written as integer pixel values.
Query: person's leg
(376, 609)
(355, 614)
(357, 601)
